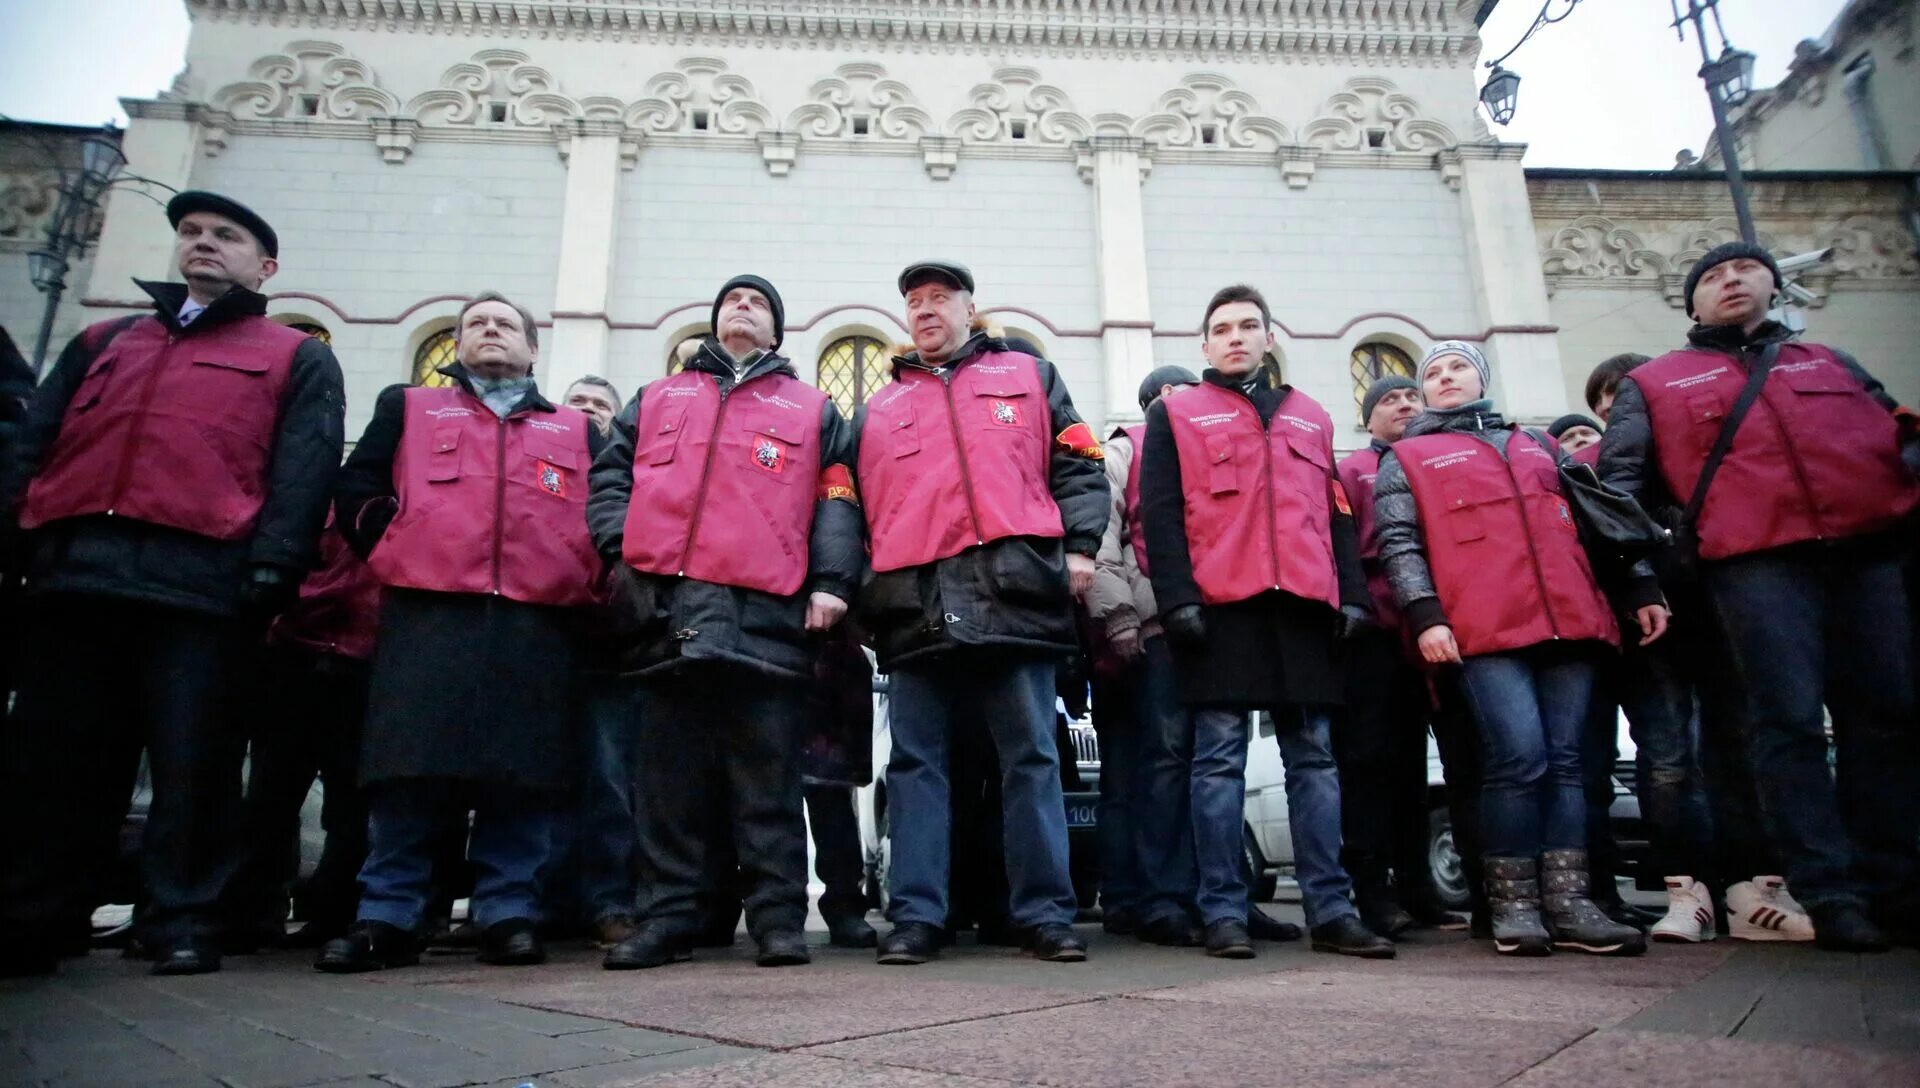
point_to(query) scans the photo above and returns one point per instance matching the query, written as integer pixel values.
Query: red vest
(1137, 435)
(171, 429)
(1259, 500)
(1587, 455)
(947, 465)
(338, 608)
(1816, 458)
(1501, 542)
(490, 505)
(724, 487)
(1357, 473)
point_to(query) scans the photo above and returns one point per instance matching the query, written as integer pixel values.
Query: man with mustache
(1801, 534)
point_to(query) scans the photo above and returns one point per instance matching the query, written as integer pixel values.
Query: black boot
(1347, 935)
(1229, 940)
(1265, 927)
(908, 944)
(783, 948)
(1572, 918)
(1373, 895)
(1845, 928)
(514, 942)
(369, 946)
(656, 945)
(1056, 943)
(851, 931)
(1513, 907)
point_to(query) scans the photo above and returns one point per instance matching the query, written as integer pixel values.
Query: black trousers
(707, 730)
(104, 677)
(1381, 748)
(1458, 739)
(836, 851)
(304, 711)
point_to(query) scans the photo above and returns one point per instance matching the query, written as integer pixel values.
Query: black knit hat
(1571, 420)
(1162, 376)
(1380, 388)
(186, 203)
(1721, 254)
(766, 290)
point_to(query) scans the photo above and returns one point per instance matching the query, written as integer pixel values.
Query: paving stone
(638, 1042)
(1130, 1041)
(1676, 1061)
(638, 1070)
(808, 1071)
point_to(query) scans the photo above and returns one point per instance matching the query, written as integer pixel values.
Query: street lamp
(1729, 83)
(74, 216)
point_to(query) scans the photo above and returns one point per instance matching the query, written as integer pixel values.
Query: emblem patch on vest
(769, 454)
(1566, 514)
(552, 480)
(1006, 413)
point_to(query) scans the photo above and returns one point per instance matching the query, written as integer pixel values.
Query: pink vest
(724, 487)
(948, 465)
(1259, 500)
(1357, 474)
(490, 506)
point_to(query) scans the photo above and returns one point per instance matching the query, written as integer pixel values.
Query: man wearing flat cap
(164, 498)
(1802, 531)
(725, 504)
(985, 501)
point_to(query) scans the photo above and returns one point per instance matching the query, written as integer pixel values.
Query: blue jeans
(1651, 686)
(1531, 706)
(1122, 778)
(607, 839)
(1013, 702)
(1164, 821)
(508, 846)
(1829, 626)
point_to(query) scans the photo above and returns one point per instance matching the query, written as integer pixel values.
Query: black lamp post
(1729, 83)
(72, 225)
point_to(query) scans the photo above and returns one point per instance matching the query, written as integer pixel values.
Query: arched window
(683, 350)
(1371, 362)
(318, 332)
(852, 369)
(434, 352)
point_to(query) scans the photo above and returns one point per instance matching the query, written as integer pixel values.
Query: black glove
(267, 591)
(1185, 626)
(1353, 620)
(1910, 454)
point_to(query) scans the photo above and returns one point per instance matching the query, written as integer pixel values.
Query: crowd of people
(596, 665)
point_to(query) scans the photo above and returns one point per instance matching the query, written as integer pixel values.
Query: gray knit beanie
(1466, 351)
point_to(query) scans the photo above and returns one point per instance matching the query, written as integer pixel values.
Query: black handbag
(1610, 520)
(1684, 562)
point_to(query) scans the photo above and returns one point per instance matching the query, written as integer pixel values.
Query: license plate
(1082, 814)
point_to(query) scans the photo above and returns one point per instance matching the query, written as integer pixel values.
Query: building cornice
(1423, 32)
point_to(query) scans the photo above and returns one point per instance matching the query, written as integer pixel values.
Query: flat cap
(186, 203)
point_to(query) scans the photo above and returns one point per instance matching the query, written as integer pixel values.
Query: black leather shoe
(783, 948)
(851, 932)
(369, 946)
(1262, 926)
(1845, 929)
(908, 944)
(1168, 930)
(1056, 943)
(191, 956)
(1385, 916)
(1627, 914)
(514, 942)
(1229, 940)
(1120, 922)
(656, 945)
(1347, 935)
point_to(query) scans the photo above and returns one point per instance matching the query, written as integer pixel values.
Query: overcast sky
(1609, 87)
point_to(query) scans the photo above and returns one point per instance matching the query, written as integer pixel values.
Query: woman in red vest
(1485, 561)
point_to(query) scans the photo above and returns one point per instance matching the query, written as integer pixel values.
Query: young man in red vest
(1802, 540)
(726, 504)
(985, 501)
(1256, 569)
(469, 502)
(1381, 743)
(163, 499)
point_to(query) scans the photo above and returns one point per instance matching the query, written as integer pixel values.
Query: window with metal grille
(1370, 363)
(318, 332)
(852, 369)
(434, 352)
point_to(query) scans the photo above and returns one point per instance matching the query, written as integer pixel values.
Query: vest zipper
(1273, 508)
(706, 473)
(499, 492)
(1526, 530)
(960, 451)
(125, 476)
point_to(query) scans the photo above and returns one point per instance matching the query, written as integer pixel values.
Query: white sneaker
(1761, 910)
(1689, 918)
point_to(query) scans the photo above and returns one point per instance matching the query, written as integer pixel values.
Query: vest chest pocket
(772, 447)
(660, 446)
(94, 384)
(1000, 404)
(237, 393)
(903, 430)
(556, 467)
(1307, 447)
(1819, 380)
(1706, 413)
(1466, 503)
(1223, 477)
(443, 455)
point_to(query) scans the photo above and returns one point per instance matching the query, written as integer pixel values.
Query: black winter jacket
(667, 620)
(1261, 652)
(120, 557)
(1010, 595)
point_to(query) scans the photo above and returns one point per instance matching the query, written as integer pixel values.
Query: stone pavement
(1448, 1012)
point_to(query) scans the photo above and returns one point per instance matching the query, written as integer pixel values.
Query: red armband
(1079, 438)
(1340, 502)
(837, 483)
